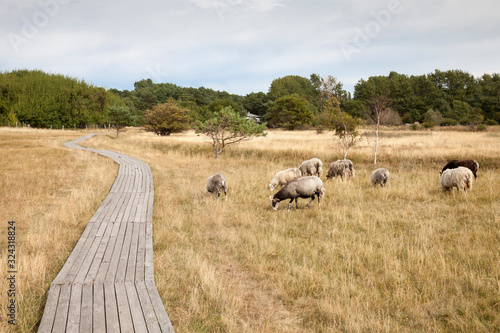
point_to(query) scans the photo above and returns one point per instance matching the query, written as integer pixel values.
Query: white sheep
(380, 176)
(342, 168)
(283, 177)
(312, 167)
(217, 183)
(460, 177)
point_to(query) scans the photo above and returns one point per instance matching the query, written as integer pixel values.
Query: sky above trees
(241, 46)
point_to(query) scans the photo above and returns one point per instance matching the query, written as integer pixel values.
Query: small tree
(344, 126)
(227, 127)
(120, 117)
(167, 118)
(377, 107)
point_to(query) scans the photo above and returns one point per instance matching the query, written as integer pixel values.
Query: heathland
(406, 257)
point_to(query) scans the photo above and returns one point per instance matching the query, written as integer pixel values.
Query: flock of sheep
(305, 182)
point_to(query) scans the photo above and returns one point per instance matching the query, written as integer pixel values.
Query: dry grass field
(405, 258)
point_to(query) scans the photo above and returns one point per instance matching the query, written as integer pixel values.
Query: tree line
(439, 98)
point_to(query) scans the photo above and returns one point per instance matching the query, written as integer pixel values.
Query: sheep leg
(312, 199)
(290, 203)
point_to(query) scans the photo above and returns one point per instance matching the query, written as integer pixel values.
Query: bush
(491, 122)
(481, 127)
(449, 122)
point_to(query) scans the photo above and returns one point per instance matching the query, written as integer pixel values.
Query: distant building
(255, 117)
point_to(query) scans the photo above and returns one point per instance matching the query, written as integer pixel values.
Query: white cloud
(238, 45)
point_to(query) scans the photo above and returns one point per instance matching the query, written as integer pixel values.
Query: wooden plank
(86, 320)
(132, 256)
(135, 308)
(98, 310)
(126, 324)
(111, 308)
(75, 303)
(141, 253)
(147, 306)
(113, 264)
(124, 255)
(62, 309)
(97, 261)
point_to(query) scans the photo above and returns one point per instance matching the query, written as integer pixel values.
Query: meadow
(404, 258)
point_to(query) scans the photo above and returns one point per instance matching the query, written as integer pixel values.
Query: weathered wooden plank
(126, 324)
(75, 303)
(62, 309)
(98, 310)
(135, 308)
(97, 261)
(112, 319)
(87, 307)
(124, 255)
(147, 307)
(132, 256)
(117, 249)
(141, 253)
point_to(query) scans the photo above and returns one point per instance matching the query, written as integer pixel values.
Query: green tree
(226, 128)
(293, 85)
(290, 112)
(167, 118)
(256, 103)
(120, 117)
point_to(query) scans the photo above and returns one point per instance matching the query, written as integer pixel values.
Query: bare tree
(377, 107)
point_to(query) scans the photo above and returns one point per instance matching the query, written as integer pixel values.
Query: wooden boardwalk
(107, 283)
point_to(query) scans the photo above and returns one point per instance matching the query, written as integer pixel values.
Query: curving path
(107, 283)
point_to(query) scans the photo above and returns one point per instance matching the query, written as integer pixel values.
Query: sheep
(306, 187)
(471, 164)
(312, 167)
(380, 176)
(342, 168)
(217, 183)
(460, 177)
(283, 177)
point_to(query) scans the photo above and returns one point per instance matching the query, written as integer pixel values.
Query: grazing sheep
(471, 164)
(217, 183)
(342, 168)
(307, 187)
(283, 177)
(460, 177)
(312, 167)
(380, 176)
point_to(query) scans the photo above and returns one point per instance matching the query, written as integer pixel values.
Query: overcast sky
(240, 46)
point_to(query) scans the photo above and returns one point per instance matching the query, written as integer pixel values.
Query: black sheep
(471, 164)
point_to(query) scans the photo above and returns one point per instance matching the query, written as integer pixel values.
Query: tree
(378, 105)
(290, 112)
(120, 117)
(293, 85)
(167, 118)
(344, 126)
(227, 127)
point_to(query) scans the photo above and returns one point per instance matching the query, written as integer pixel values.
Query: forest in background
(441, 98)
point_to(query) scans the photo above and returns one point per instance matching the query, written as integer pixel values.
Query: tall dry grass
(51, 193)
(403, 258)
